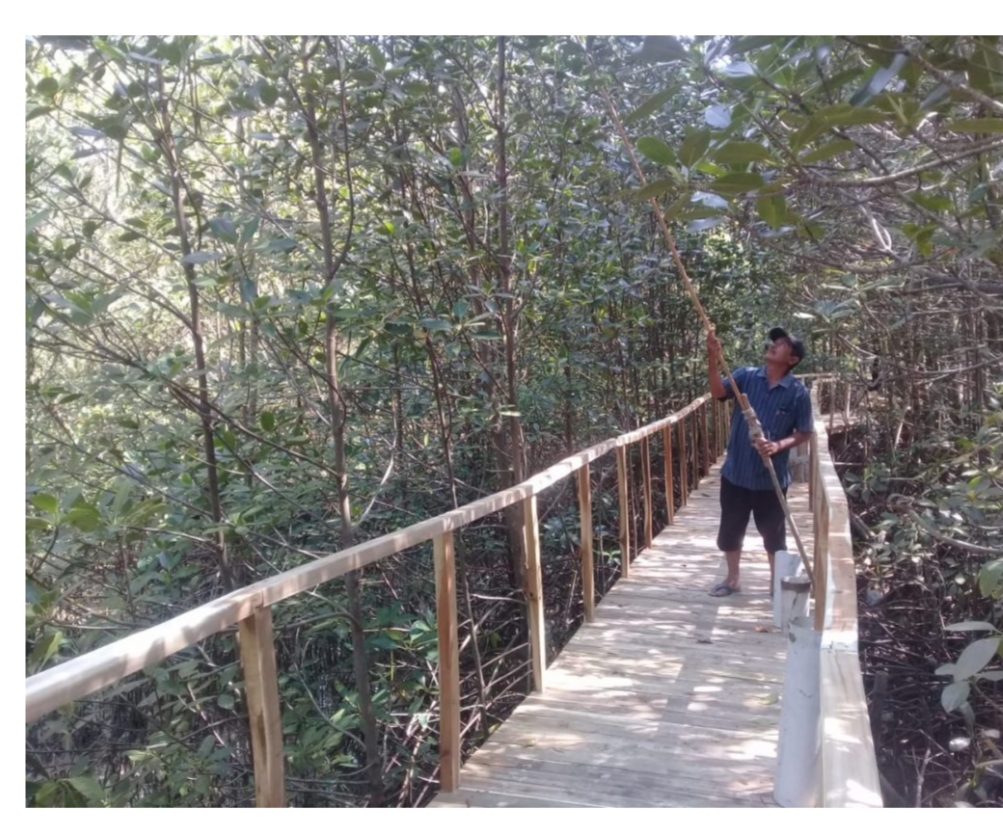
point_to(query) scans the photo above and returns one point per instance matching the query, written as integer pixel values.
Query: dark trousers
(737, 504)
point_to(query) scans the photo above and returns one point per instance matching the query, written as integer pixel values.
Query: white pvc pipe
(794, 593)
(784, 564)
(796, 782)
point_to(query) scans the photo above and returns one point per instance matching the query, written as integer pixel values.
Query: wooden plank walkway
(670, 698)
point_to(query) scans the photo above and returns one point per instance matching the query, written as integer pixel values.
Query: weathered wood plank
(470, 798)
(657, 721)
(548, 794)
(643, 788)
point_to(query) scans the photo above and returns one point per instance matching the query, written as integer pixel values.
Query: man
(784, 411)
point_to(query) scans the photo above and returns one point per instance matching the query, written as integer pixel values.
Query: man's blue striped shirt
(782, 409)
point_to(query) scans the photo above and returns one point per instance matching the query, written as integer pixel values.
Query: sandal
(723, 589)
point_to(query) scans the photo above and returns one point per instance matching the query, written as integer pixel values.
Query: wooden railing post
(646, 477)
(703, 436)
(449, 661)
(670, 499)
(621, 472)
(714, 428)
(585, 511)
(261, 687)
(534, 592)
(697, 450)
(821, 560)
(812, 464)
(684, 477)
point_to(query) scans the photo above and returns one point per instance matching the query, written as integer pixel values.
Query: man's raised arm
(717, 389)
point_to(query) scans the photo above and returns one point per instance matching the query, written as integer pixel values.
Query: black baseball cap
(797, 347)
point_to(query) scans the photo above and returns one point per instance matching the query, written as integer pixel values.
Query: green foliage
(127, 520)
(970, 668)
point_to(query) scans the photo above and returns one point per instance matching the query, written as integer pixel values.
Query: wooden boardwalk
(670, 698)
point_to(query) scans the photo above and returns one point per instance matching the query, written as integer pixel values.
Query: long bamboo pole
(755, 429)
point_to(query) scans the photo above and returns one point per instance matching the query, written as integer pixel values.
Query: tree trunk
(205, 410)
(360, 660)
(513, 457)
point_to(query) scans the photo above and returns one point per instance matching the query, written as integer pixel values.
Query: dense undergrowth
(912, 586)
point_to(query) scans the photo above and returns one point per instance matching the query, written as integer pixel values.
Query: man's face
(780, 351)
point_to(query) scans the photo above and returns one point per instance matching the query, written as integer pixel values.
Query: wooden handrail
(849, 771)
(86, 674)
(250, 607)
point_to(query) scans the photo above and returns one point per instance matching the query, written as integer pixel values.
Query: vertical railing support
(646, 477)
(261, 685)
(812, 464)
(449, 661)
(703, 435)
(622, 478)
(585, 512)
(534, 593)
(821, 559)
(697, 450)
(670, 499)
(684, 476)
(714, 431)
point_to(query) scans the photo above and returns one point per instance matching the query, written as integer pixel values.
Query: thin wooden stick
(755, 430)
